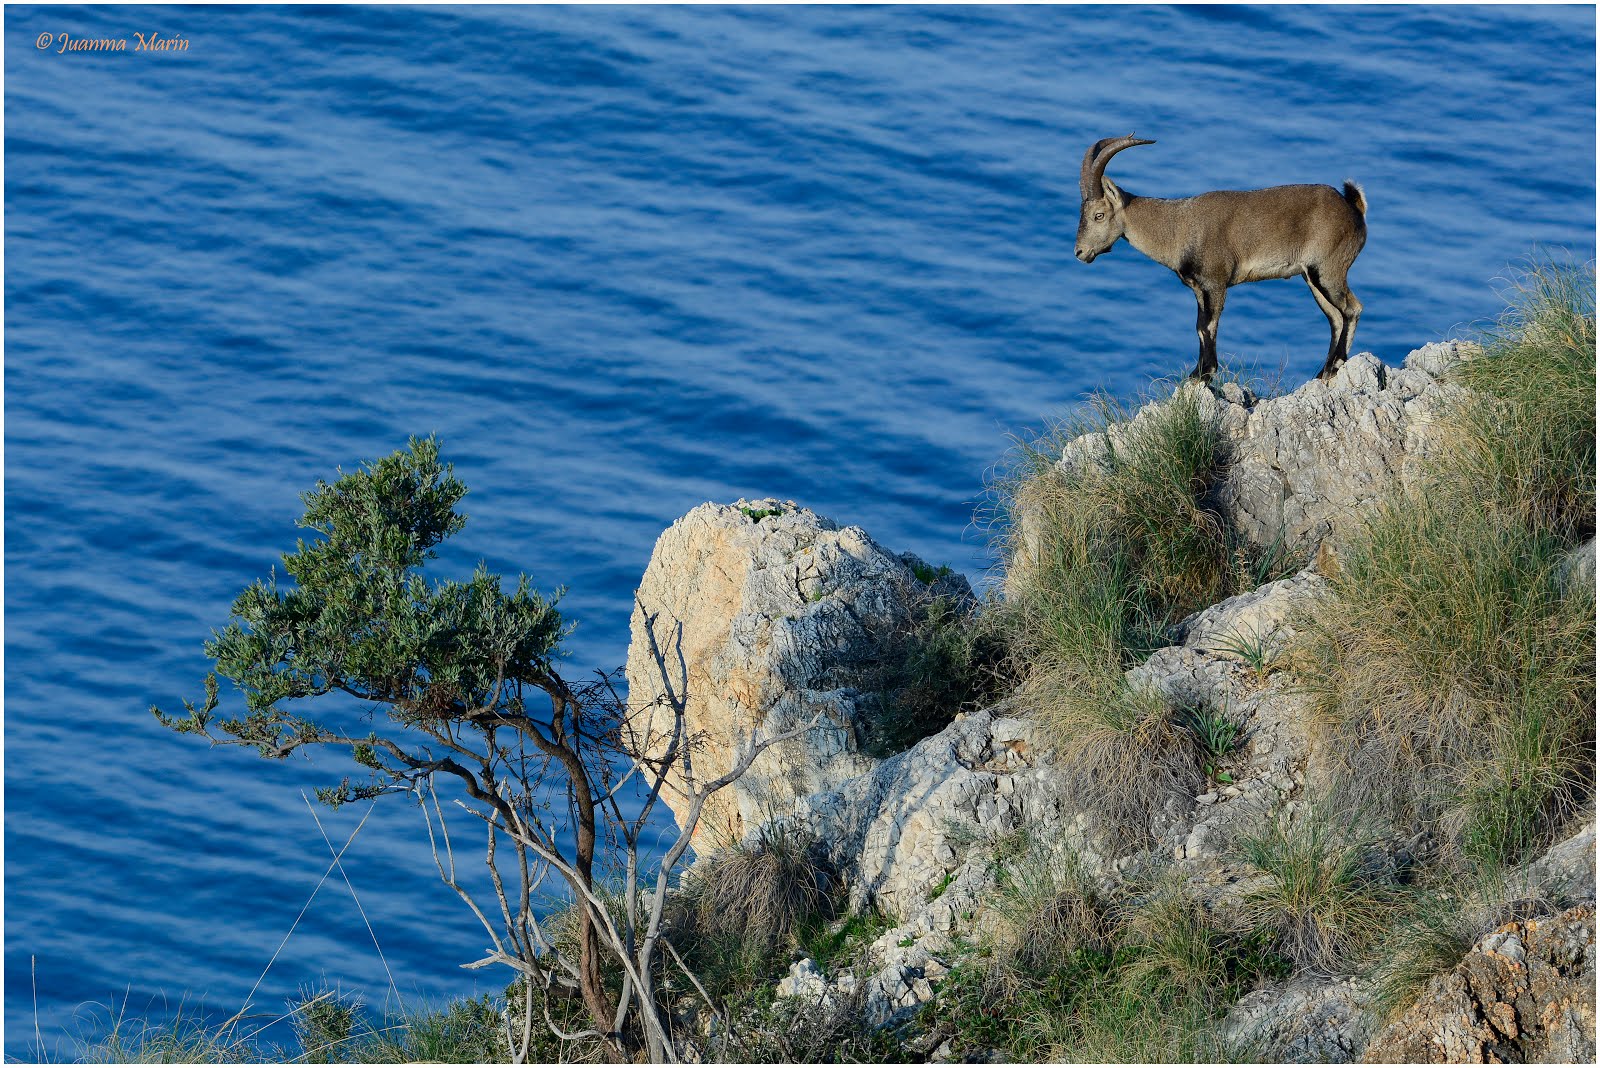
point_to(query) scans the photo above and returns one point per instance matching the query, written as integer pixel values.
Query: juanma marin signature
(154, 43)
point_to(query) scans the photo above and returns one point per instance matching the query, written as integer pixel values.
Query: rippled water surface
(621, 261)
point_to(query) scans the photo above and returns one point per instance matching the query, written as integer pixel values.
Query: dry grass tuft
(1453, 660)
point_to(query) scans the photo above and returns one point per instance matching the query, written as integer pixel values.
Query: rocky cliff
(762, 615)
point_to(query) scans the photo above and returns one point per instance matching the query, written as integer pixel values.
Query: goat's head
(1100, 216)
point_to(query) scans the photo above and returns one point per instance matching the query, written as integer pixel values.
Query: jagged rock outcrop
(759, 617)
(1524, 993)
(1300, 466)
(1309, 1020)
(1297, 469)
(898, 832)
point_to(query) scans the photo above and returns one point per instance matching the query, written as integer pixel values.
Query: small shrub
(943, 662)
(322, 1024)
(468, 1031)
(756, 515)
(1254, 650)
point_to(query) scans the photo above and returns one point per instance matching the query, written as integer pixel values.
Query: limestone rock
(1565, 875)
(756, 618)
(1304, 1021)
(897, 833)
(1524, 993)
(1299, 467)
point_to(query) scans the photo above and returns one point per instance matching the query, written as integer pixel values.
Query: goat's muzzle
(1087, 255)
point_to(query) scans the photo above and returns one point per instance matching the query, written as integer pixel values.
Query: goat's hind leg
(1338, 342)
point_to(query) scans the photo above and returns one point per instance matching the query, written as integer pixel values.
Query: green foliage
(942, 663)
(361, 620)
(927, 574)
(187, 1038)
(1256, 651)
(328, 1028)
(838, 944)
(1217, 734)
(758, 514)
(323, 1026)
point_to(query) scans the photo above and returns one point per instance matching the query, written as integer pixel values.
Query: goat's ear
(1113, 194)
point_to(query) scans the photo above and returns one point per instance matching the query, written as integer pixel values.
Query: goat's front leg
(1210, 299)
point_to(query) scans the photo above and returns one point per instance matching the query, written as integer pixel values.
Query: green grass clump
(756, 515)
(1528, 439)
(329, 1028)
(1430, 936)
(1318, 893)
(187, 1038)
(1218, 735)
(1105, 555)
(806, 1031)
(1453, 659)
(1071, 973)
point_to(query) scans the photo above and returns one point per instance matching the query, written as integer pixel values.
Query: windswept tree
(457, 687)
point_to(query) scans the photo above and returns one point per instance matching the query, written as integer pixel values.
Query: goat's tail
(1355, 197)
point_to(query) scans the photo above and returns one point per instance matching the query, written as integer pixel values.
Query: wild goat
(1217, 240)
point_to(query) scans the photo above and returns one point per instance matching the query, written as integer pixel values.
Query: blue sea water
(621, 261)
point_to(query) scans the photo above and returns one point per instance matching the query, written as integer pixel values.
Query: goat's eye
(1099, 215)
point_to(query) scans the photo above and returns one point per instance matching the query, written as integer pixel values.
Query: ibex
(1217, 240)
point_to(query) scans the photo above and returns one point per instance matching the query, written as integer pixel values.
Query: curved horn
(1095, 160)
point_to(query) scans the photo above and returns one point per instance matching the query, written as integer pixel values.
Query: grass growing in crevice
(1075, 974)
(1106, 551)
(1320, 893)
(1453, 659)
(1433, 930)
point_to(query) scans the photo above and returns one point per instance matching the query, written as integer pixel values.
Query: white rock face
(1300, 466)
(757, 618)
(899, 832)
